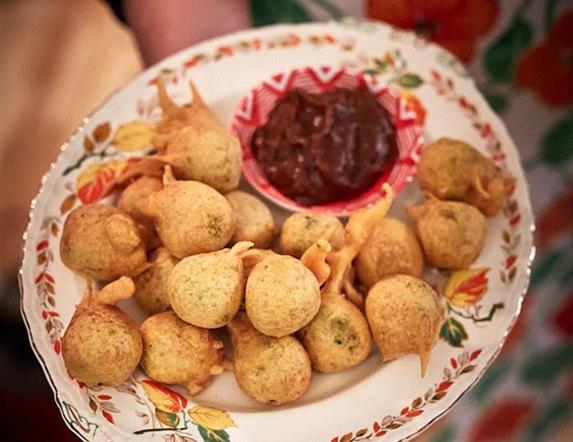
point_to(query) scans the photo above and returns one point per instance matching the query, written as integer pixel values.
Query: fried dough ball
(102, 243)
(253, 219)
(190, 217)
(133, 199)
(151, 285)
(392, 248)
(252, 257)
(338, 337)
(196, 144)
(175, 352)
(404, 314)
(302, 230)
(453, 170)
(281, 295)
(452, 234)
(102, 345)
(206, 290)
(270, 370)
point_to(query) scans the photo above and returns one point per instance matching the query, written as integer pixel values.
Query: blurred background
(61, 58)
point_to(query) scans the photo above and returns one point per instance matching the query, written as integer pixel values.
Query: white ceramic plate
(373, 400)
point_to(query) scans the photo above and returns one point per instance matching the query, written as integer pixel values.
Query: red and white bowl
(254, 109)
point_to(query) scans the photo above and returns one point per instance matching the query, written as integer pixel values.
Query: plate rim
(529, 225)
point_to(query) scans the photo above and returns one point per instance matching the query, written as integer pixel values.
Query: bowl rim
(405, 167)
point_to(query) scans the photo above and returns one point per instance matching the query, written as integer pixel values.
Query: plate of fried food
(318, 232)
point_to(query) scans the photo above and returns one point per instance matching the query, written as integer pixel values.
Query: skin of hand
(162, 28)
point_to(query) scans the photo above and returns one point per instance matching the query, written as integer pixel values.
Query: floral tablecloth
(521, 55)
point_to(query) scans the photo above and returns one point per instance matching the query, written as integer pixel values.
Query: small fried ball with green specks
(453, 170)
(281, 295)
(452, 234)
(133, 199)
(206, 290)
(191, 217)
(102, 243)
(253, 219)
(102, 345)
(151, 285)
(405, 315)
(270, 370)
(302, 230)
(175, 352)
(392, 248)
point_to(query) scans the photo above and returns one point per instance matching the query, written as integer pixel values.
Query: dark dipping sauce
(326, 147)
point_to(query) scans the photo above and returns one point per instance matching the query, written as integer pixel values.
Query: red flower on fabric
(563, 319)
(548, 67)
(503, 420)
(453, 24)
(556, 219)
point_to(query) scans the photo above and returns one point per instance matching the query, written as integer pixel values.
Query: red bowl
(254, 108)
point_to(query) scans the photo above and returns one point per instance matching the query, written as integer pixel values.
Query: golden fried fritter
(302, 230)
(133, 199)
(392, 248)
(452, 234)
(253, 219)
(281, 295)
(151, 285)
(102, 345)
(453, 170)
(270, 370)
(190, 217)
(196, 144)
(405, 315)
(175, 352)
(338, 337)
(206, 290)
(102, 243)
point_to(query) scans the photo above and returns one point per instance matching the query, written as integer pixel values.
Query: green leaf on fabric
(330, 8)
(409, 81)
(213, 435)
(543, 369)
(501, 57)
(453, 332)
(498, 102)
(543, 267)
(544, 423)
(557, 143)
(490, 380)
(549, 14)
(265, 12)
(447, 434)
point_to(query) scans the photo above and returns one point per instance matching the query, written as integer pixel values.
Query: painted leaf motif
(409, 80)
(168, 419)
(466, 287)
(101, 132)
(164, 398)
(133, 136)
(93, 181)
(213, 435)
(211, 418)
(453, 332)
